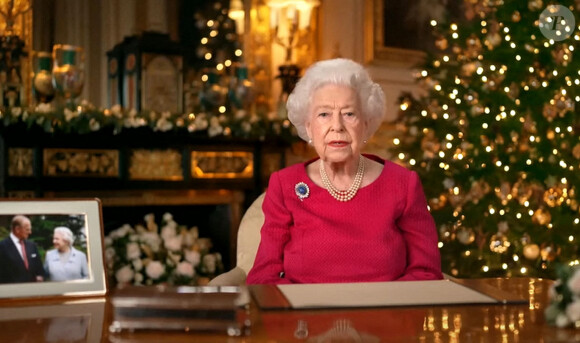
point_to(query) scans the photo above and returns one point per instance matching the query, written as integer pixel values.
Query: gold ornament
(465, 236)
(430, 145)
(535, 5)
(550, 134)
(550, 112)
(441, 43)
(531, 251)
(492, 40)
(562, 55)
(438, 203)
(516, 16)
(554, 196)
(499, 244)
(503, 227)
(473, 46)
(549, 252)
(525, 239)
(445, 233)
(541, 217)
(576, 151)
(522, 191)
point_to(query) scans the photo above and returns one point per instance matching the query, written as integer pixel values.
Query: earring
(365, 141)
(310, 141)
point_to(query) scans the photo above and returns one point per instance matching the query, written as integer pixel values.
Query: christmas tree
(495, 138)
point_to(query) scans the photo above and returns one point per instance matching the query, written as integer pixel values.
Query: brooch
(302, 190)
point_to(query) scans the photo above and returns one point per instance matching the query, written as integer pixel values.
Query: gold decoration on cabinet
(81, 162)
(156, 165)
(222, 164)
(20, 162)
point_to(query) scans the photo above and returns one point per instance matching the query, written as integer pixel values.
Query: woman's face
(59, 242)
(335, 123)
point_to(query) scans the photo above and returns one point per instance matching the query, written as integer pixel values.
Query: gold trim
(20, 162)
(81, 162)
(222, 164)
(156, 165)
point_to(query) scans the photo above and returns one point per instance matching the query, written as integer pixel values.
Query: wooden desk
(463, 323)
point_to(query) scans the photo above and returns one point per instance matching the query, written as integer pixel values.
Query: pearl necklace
(352, 190)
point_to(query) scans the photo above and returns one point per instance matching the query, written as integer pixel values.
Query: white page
(376, 294)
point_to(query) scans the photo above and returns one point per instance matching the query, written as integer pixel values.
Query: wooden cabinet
(138, 167)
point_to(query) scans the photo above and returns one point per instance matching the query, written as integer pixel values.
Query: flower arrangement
(86, 118)
(564, 296)
(171, 254)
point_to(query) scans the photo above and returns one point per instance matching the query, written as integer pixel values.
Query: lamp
(10, 10)
(297, 15)
(287, 19)
(13, 69)
(236, 13)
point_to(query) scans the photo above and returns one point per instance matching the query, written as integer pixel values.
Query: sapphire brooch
(302, 190)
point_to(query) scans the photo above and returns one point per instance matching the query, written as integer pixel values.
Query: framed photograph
(80, 321)
(51, 248)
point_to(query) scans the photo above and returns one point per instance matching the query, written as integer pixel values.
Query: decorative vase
(42, 81)
(68, 72)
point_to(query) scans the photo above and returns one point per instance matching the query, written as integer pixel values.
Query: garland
(86, 118)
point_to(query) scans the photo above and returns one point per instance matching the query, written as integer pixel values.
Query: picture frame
(84, 216)
(71, 321)
(383, 51)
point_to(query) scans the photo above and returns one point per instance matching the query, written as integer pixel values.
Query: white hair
(343, 72)
(66, 233)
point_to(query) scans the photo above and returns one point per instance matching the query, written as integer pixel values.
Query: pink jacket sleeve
(275, 233)
(420, 232)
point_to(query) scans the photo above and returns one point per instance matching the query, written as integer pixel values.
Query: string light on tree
(496, 141)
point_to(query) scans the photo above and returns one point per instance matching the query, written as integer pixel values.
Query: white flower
(44, 108)
(169, 230)
(574, 283)
(121, 232)
(138, 279)
(16, 111)
(185, 268)
(69, 115)
(573, 311)
(138, 264)
(200, 122)
(117, 110)
(125, 274)
(173, 243)
(133, 251)
(110, 254)
(167, 217)
(210, 263)
(562, 320)
(108, 241)
(94, 125)
(214, 128)
(152, 240)
(149, 218)
(193, 257)
(155, 269)
(189, 239)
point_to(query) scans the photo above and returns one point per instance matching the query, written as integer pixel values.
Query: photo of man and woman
(39, 248)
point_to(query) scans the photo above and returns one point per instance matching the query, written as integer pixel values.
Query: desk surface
(46, 322)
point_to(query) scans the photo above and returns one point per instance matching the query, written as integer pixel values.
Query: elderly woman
(64, 262)
(344, 216)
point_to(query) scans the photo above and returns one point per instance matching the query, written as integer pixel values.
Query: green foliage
(496, 142)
